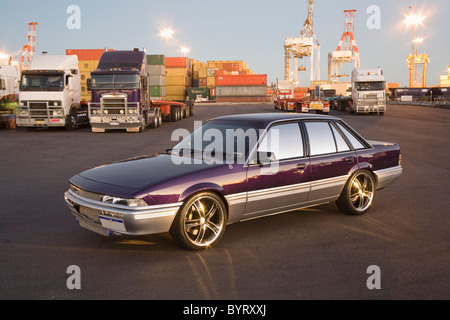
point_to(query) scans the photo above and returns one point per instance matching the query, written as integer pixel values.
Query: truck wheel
(159, 119)
(173, 114)
(154, 123)
(143, 123)
(72, 120)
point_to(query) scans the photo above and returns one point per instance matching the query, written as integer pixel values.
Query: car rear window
(350, 137)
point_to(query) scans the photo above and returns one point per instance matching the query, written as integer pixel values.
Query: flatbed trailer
(303, 105)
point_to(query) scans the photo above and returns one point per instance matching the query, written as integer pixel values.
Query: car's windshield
(42, 82)
(115, 81)
(370, 86)
(219, 139)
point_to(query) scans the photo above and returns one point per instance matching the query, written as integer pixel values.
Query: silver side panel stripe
(258, 195)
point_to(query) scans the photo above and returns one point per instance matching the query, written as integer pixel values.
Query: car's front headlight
(124, 202)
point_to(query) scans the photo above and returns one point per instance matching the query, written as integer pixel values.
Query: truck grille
(114, 105)
(38, 105)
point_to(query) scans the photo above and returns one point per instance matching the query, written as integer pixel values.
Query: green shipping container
(157, 91)
(156, 59)
(194, 93)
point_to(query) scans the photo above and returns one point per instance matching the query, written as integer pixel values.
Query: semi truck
(49, 94)
(120, 95)
(368, 93)
(9, 84)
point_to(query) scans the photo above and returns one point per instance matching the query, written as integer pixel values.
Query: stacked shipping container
(178, 78)
(228, 81)
(157, 76)
(87, 62)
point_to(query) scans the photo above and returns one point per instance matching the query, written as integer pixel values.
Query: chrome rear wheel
(358, 194)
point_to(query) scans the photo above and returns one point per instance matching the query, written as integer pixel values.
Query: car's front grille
(90, 213)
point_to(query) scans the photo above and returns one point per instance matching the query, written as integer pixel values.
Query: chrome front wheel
(201, 222)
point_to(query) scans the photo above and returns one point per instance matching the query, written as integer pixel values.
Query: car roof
(274, 117)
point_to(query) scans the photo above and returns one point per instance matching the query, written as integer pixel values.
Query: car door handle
(301, 166)
(350, 159)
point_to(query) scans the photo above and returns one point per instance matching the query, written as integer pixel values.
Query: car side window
(284, 141)
(321, 140)
(350, 137)
(341, 144)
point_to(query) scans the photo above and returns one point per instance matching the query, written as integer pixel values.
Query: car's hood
(130, 176)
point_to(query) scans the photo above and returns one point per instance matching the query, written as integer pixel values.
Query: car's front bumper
(110, 219)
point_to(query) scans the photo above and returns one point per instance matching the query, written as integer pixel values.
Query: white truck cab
(9, 88)
(50, 93)
(368, 91)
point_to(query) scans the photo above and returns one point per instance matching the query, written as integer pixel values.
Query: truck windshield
(42, 83)
(115, 81)
(370, 86)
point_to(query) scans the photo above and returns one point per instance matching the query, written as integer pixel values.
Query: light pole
(185, 51)
(413, 59)
(166, 33)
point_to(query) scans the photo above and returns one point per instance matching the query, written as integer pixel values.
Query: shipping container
(241, 91)
(157, 70)
(262, 99)
(210, 81)
(198, 93)
(176, 90)
(180, 97)
(157, 80)
(87, 54)
(178, 62)
(202, 82)
(244, 80)
(178, 81)
(211, 72)
(156, 59)
(87, 65)
(178, 72)
(157, 91)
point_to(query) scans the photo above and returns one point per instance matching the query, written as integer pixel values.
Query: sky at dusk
(249, 30)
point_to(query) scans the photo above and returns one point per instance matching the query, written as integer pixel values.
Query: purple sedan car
(231, 169)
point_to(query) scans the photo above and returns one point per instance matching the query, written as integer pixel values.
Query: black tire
(72, 120)
(173, 114)
(358, 194)
(144, 123)
(200, 223)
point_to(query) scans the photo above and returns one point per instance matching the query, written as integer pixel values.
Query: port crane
(24, 56)
(304, 46)
(346, 51)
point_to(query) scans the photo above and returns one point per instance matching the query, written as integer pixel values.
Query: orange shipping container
(87, 54)
(178, 62)
(242, 80)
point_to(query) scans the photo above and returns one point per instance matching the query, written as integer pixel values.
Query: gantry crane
(347, 50)
(304, 46)
(23, 56)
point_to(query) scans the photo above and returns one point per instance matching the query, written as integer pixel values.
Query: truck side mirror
(88, 83)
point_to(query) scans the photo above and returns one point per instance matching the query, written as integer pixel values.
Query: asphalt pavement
(402, 244)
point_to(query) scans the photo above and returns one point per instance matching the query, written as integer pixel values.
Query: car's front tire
(358, 194)
(201, 222)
